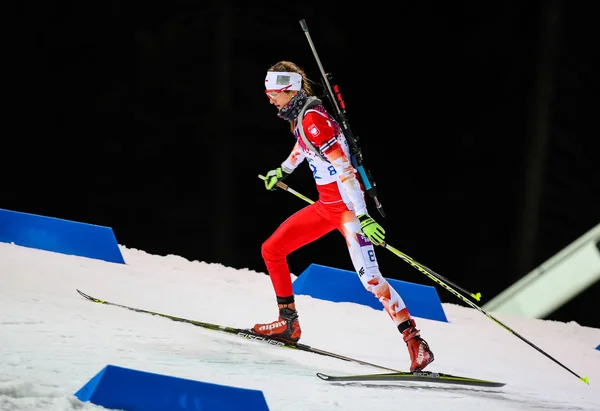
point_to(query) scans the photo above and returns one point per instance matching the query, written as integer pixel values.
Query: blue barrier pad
(598, 347)
(132, 390)
(60, 236)
(337, 285)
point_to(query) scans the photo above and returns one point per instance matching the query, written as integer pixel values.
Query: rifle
(335, 98)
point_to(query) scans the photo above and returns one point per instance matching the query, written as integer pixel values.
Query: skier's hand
(273, 177)
(371, 229)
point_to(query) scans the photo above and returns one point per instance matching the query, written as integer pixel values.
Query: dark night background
(479, 123)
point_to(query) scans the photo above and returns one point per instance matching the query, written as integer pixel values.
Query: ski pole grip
(303, 25)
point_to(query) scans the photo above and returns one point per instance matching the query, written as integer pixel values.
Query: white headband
(277, 80)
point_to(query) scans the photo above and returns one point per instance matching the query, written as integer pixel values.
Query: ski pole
(449, 288)
(429, 272)
(285, 187)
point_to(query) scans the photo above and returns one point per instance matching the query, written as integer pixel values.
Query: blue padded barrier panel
(598, 347)
(60, 236)
(132, 390)
(337, 285)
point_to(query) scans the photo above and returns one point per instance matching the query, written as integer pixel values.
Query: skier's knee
(270, 252)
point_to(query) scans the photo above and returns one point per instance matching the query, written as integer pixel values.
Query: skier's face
(280, 99)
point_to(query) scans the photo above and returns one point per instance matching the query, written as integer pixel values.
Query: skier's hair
(293, 68)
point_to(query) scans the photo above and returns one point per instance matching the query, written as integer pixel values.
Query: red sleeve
(318, 129)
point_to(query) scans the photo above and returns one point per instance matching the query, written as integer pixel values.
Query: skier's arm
(321, 132)
(293, 160)
(287, 167)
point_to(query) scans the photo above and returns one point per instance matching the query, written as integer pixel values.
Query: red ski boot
(286, 328)
(418, 349)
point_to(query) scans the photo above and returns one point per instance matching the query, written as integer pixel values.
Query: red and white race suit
(341, 200)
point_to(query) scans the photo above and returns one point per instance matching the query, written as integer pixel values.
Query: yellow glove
(273, 177)
(371, 229)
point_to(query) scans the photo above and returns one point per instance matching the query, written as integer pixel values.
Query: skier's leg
(303, 227)
(364, 260)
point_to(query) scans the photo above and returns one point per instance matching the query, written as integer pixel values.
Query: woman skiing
(341, 205)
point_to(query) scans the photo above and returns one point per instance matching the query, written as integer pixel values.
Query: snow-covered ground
(52, 341)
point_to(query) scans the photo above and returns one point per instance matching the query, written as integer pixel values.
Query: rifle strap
(310, 102)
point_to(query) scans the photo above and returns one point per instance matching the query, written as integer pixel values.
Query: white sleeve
(296, 157)
(349, 179)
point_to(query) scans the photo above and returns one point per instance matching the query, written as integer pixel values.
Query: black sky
(478, 122)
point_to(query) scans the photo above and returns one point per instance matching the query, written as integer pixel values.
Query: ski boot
(286, 328)
(418, 349)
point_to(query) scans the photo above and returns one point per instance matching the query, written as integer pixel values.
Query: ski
(394, 375)
(418, 376)
(241, 332)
